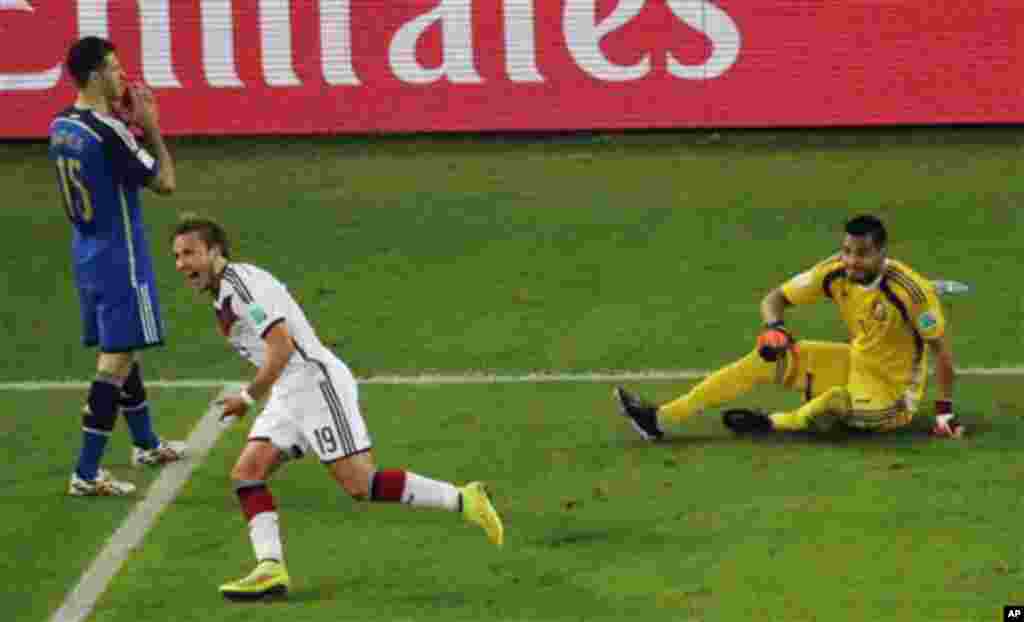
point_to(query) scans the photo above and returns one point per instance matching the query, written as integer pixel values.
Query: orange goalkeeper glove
(773, 341)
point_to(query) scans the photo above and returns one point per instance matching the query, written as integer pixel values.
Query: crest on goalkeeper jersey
(926, 320)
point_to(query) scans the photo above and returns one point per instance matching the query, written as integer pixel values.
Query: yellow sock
(835, 401)
(725, 385)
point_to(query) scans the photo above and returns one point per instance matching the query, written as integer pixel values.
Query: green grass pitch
(513, 254)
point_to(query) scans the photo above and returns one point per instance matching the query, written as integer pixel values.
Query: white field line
(464, 378)
(78, 604)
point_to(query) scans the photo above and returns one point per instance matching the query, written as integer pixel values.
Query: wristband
(777, 324)
(244, 394)
(943, 407)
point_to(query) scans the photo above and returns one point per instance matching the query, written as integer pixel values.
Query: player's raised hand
(142, 108)
(232, 407)
(122, 108)
(773, 342)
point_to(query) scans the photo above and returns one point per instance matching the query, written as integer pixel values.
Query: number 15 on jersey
(77, 201)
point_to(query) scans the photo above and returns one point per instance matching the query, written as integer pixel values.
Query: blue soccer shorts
(123, 319)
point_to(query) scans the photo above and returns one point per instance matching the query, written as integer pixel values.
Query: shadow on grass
(681, 440)
(919, 431)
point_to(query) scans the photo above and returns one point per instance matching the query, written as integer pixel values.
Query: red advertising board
(351, 66)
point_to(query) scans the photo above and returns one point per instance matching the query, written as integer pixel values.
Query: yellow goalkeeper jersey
(889, 320)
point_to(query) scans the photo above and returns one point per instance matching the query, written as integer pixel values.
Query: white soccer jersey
(250, 302)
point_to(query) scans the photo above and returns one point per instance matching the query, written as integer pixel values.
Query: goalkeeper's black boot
(747, 422)
(642, 415)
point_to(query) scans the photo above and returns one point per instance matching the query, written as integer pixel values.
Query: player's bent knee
(247, 473)
(256, 462)
(117, 364)
(839, 400)
(249, 470)
(766, 372)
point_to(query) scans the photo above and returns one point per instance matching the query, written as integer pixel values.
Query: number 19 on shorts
(327, 440)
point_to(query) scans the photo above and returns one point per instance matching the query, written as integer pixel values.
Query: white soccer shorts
(322, 418)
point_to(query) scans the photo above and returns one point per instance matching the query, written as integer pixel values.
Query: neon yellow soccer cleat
(270, 578)
(477, 508)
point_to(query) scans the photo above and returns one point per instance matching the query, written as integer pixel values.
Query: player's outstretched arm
(946, 423)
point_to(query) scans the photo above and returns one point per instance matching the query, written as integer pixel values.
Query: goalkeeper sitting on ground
(875, 382)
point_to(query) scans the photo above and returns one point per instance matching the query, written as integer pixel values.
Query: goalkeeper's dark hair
(870, 226)
(86, 56)
(209, 230)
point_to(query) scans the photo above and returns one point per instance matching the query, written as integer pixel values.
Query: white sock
(266, 536)
(429, 493)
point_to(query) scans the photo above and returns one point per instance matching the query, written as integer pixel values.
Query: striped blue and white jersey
(101, 169)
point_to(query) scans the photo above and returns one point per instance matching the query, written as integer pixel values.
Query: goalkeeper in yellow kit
(875, 382)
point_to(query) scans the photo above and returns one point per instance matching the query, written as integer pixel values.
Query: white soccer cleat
(103, 486)
(165, 452)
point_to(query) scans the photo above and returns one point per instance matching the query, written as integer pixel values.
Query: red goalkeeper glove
(946, 423)
(773, 341)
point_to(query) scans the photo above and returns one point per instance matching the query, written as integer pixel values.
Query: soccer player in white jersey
(312, 406)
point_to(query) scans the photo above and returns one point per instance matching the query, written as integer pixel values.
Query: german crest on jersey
(257, 314)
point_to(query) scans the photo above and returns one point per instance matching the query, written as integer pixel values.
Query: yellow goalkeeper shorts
(817, 366)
